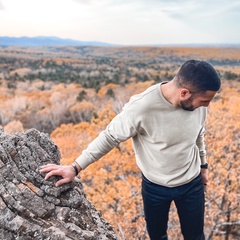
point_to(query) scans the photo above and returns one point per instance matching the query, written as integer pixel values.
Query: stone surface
(33, 208)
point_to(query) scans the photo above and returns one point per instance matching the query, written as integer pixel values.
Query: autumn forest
(72, 93)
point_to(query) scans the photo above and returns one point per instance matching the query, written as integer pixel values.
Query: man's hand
(204, 173)
(66, 172)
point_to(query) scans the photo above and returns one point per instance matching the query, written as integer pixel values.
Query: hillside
(75, 80)
(73, 92)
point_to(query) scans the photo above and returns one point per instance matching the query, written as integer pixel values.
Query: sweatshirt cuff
(82, 162)
(203, 160)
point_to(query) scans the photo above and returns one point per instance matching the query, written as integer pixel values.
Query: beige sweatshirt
(168, 141)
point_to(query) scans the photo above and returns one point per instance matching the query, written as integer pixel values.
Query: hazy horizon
(99, 43)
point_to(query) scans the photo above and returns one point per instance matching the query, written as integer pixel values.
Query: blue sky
(128, 22)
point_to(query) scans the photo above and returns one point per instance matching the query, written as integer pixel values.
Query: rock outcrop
(33, 208)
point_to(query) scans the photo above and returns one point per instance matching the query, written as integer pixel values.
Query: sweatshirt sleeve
(118, 130)
(201, 146)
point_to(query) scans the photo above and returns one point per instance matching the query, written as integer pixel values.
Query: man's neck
(169, 92)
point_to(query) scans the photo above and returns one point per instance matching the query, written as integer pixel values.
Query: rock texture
(31, 207)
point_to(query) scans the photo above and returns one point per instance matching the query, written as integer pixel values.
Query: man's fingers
(48, 168)
(62, 181)
(52, 173)
(49, 164)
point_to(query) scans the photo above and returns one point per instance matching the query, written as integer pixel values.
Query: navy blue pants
(189, 200)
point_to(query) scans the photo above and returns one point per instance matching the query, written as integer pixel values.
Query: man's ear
(185, 93)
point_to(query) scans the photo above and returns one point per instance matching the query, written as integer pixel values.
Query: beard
(187, 105)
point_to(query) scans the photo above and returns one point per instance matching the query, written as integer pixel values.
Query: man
(166, 124)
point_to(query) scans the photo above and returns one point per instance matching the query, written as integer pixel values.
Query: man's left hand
(204, 173)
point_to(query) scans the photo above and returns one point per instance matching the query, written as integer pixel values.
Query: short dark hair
(199, 76)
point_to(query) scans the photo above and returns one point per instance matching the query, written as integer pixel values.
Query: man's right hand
(66, 172)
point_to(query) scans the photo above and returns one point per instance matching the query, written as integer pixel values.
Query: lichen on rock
(32, 207)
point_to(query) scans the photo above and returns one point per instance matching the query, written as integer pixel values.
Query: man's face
(195, 101)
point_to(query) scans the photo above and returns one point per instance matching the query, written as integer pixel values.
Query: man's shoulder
(144, 98)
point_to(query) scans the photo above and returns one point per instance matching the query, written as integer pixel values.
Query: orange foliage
(102, 92)
(13, 127)
(82, 111)
(223, 143)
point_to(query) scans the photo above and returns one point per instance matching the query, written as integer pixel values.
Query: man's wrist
(76, 168)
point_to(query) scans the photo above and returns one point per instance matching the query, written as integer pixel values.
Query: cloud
(200, 21)
(229, 7)
(92, 2)
(124, 21)
(82, 1)
(205, 10)
(1, 6)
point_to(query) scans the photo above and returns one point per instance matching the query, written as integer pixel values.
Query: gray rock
(33, 208)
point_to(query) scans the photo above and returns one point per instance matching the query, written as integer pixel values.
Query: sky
(126, 22)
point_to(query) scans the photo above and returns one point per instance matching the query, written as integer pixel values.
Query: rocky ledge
(33, 208)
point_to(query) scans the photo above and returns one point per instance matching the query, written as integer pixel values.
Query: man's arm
(117, 131)
(202, 151)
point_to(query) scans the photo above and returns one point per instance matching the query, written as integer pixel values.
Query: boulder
(33, 208)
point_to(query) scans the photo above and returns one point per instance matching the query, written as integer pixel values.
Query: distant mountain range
(56, 41)
(47, 41)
